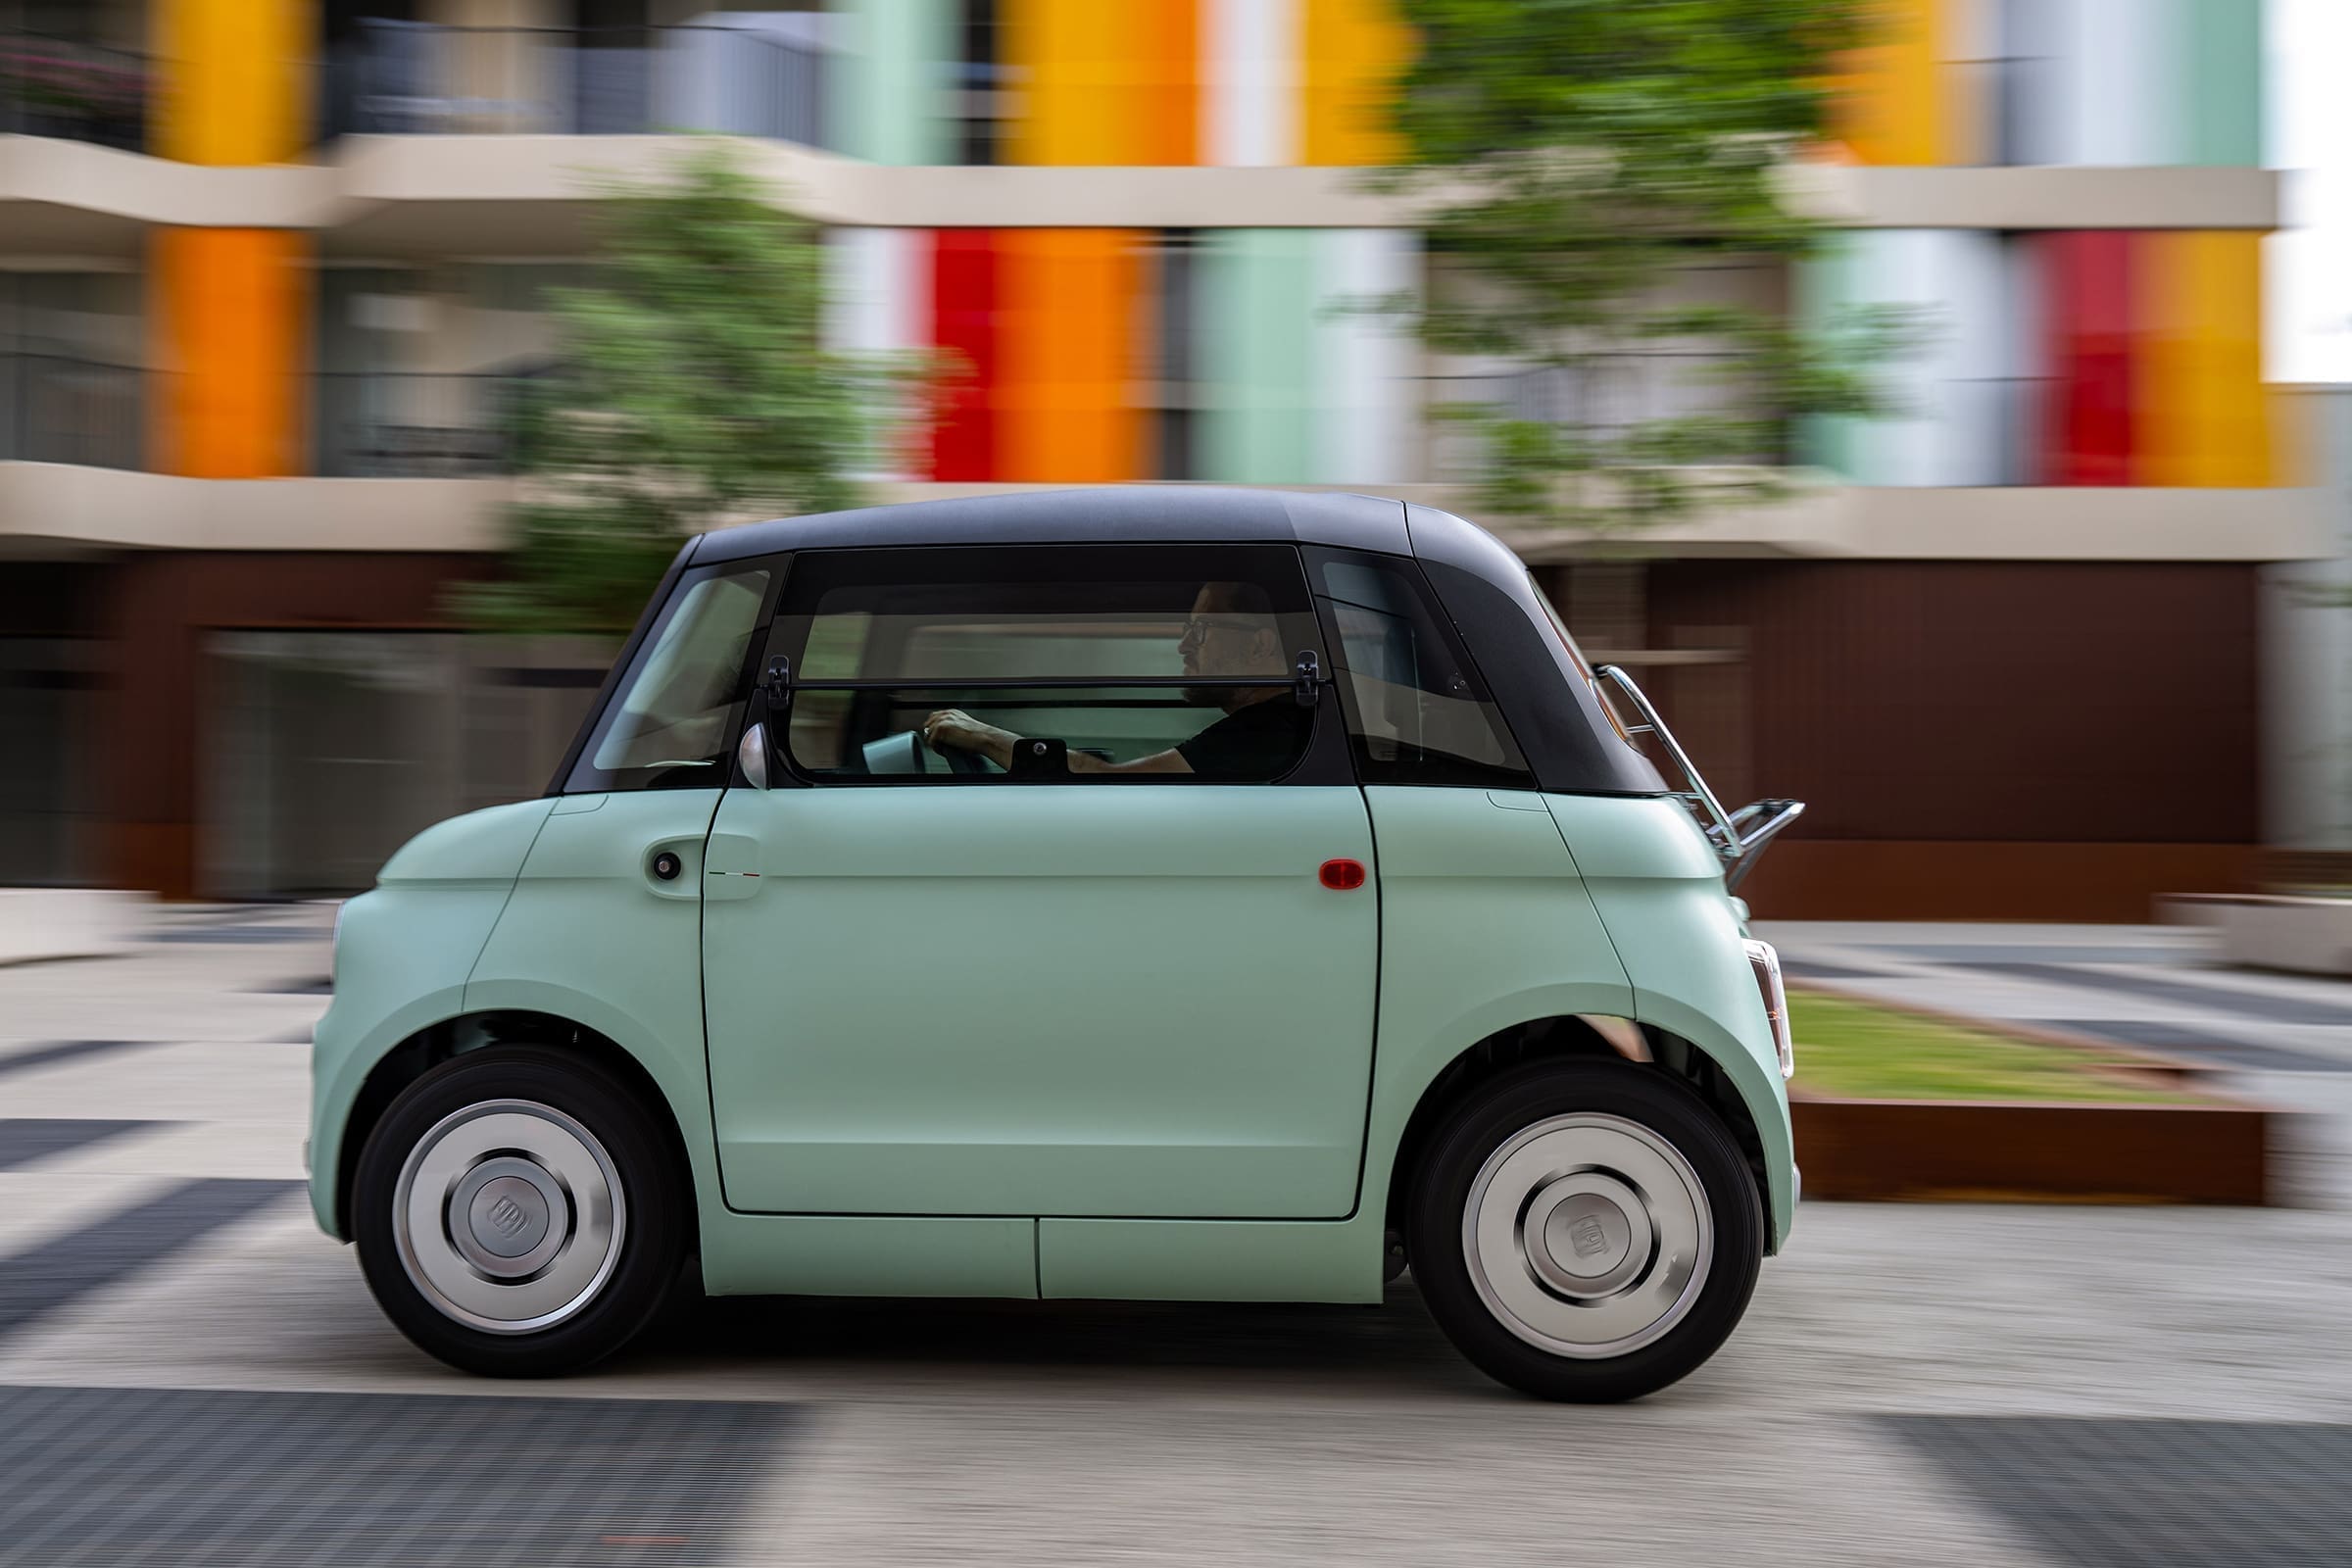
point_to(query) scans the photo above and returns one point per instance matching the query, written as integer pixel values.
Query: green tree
(695, 391)
(1577, 154)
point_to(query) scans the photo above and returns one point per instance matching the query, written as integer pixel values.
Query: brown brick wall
(1974, 739)
(156, 614)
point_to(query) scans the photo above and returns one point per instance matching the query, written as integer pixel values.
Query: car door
(1060, 992)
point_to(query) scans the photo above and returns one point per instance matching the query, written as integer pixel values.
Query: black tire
(654, 1206)
(1524, 1099)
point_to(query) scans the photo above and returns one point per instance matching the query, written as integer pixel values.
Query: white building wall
(2307, 656)
(878, 302)
(1949, 399)
(1367, 366)
(1250, 60)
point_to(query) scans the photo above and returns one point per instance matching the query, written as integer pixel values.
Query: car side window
(1060, 663)
(1416, 710)
(673, 714)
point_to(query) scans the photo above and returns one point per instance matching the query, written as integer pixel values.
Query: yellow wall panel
(1103, 84)
(2290, 410)
(1888, 105)
(2203, 416)
(235, 79)
(1068, 65)
(1967, 132)
(1354, 52)
(231, 306)
(1066, 355)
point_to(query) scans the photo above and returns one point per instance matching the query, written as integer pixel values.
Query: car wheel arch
(428, 1048)
(1584, 1037)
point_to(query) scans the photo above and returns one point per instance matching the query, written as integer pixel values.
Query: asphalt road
(190, 1373)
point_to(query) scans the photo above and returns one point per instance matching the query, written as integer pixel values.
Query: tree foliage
(695, 391)
(1578, 153)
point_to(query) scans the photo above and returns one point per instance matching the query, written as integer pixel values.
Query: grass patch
(1855, 1050)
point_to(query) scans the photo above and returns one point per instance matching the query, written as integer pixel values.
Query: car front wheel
(517, 1213)
(1586, 1229)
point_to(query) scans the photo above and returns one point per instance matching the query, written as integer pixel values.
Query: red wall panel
(964, 315)
(2087, 294)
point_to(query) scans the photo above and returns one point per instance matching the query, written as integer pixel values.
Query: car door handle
(731, 868)
(671, 867)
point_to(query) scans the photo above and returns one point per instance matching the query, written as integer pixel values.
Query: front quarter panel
(591, 938)
(1659, 890)
(1483, 925)
(401, 956)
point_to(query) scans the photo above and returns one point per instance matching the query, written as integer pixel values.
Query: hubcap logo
(509, 1217)
(1588, 1236)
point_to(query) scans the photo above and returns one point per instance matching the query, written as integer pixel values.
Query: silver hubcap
(509, 1216)
(1588, 1235)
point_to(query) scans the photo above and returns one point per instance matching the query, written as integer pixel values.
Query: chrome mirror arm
(1766, 819)
(1739, 837)
(1719, 828)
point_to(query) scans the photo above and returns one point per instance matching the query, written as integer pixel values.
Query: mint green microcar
(1178, 894)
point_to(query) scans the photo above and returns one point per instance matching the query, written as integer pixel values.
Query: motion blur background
(2049, 639)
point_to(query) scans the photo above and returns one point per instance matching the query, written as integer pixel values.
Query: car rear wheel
(517, 1213)
(1586, 1229)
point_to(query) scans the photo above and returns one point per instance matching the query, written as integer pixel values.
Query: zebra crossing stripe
(23, 1139)
(65, 1051)
(53, 1274)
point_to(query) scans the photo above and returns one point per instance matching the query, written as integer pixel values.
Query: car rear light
(1766, 963)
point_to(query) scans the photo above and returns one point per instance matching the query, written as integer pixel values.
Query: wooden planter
(1974, 1151)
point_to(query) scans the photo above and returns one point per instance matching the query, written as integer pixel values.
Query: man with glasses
(1231, 635)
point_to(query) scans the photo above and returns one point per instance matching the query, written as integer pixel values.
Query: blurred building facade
(272, 273)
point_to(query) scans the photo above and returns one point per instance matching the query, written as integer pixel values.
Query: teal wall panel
(1256, 310)
(891, 83)
(2224, 103)
(1824, 282)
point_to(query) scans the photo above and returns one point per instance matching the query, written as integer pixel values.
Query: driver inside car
(1230, 636)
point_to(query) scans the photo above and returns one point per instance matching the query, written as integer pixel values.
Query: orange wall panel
(231, 313)
(1068, 318)
(1167, 40)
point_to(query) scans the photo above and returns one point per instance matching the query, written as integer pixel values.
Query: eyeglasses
(1198, 628)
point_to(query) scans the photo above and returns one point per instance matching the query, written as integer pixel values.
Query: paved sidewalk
(186, 1364)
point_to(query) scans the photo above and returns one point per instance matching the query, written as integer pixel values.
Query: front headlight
(1766, 963)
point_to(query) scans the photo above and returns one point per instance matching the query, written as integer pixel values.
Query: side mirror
(751, 755)
(1306, 678)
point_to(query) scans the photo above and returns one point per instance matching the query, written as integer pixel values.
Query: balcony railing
(57, 409)
(376, 424)
(80, 92)
(1614, 396)
(408, 78)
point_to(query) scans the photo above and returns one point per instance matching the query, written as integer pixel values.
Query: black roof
(1105, 514)
(1534, 671)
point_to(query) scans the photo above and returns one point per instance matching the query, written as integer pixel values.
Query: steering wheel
(959, 759)
(904, 753)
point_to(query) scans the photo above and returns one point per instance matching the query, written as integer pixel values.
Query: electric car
(1140, 893)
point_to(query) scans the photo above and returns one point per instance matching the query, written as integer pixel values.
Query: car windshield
(671, 712)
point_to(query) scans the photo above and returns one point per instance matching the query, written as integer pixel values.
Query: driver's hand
(953, 727)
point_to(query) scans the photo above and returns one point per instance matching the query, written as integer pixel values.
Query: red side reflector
(1343, 876)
